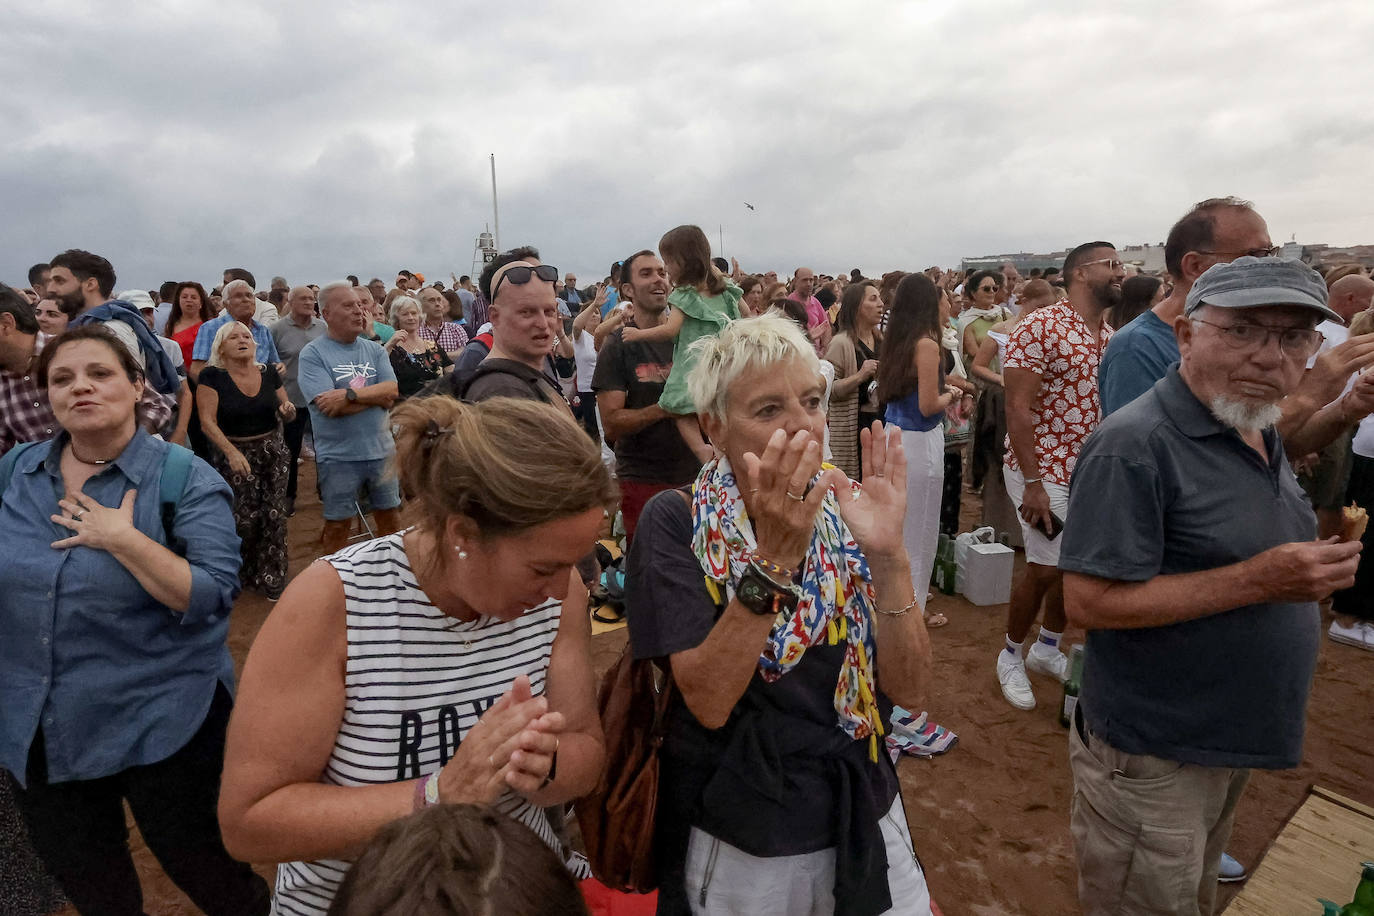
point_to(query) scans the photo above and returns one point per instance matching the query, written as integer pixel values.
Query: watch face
(750, 592)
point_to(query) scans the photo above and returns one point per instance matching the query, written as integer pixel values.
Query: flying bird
(749, 205)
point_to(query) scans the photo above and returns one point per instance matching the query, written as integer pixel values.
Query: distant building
(1319, 255)
(1024, 261)
(1147, 258)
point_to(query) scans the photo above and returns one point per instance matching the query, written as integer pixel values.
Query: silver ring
(76, 516)
(800, 499)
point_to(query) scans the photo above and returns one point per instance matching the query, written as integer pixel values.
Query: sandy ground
(990, 818)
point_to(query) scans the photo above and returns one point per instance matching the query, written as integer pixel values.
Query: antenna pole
(495, 211)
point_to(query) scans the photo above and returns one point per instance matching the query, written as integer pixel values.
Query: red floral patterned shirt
(1056, 344)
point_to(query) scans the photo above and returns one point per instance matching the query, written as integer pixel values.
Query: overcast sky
(179, 137)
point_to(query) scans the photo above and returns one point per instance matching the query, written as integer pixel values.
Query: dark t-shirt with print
(656, 453)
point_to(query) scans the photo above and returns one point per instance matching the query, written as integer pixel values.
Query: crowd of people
(1175, 454)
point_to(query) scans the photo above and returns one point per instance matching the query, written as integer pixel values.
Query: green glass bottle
(1072, 686)
(1363, 904)
(945, 567)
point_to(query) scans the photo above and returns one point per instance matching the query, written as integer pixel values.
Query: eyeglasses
(1251, 253)
(1296, 343)
(987, 289)
(520, 274)
(1112, 263)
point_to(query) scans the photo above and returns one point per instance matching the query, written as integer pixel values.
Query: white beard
(1245, 415)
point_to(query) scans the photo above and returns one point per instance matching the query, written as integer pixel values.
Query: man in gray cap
(1192, 565)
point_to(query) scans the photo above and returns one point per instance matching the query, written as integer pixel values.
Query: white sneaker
(1043, 660)
(1359, 634)
(1230, 870)
(1016, 687)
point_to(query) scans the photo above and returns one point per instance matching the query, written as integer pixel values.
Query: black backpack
(458, 387)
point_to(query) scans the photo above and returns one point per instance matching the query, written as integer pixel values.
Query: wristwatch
(762, 596)
(351, 395)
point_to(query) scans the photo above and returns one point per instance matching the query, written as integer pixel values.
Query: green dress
(702, 316)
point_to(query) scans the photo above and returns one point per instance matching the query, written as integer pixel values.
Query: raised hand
(876, 512)
(775, 490)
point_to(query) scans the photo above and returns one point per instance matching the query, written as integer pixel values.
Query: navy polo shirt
(1162, 487)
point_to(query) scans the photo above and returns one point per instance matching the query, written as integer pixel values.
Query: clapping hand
(511, 745)
(876, 511)
(95, 525)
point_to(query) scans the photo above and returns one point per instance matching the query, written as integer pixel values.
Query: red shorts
(633, 495)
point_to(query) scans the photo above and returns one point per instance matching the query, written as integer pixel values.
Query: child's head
(686, 253)
(457, 860)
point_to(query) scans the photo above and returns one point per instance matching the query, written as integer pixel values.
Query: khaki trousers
(1148, 833)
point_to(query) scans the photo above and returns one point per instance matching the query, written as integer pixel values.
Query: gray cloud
(315, 139)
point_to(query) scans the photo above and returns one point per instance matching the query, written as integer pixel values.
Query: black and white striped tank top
(416, 681)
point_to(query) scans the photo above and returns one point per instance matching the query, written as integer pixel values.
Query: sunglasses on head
(521, 274)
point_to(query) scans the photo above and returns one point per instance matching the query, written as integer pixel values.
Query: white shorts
(1039, 549)
(723, 880)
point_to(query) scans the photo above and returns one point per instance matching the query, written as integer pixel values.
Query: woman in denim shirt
(114, 671)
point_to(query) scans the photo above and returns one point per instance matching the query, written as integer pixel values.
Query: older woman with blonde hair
(779, 596)
(240, 402)
(416, 361)
(448, 663)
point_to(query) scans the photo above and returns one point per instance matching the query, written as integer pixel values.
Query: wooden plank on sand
(1316, 854)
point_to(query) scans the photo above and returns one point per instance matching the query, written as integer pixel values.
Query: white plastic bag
(984, 535)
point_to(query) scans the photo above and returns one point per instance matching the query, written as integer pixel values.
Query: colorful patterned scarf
(836, 593)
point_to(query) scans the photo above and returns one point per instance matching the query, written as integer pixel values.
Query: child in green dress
(703, 302)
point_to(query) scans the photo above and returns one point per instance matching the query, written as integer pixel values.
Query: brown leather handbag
(617, 817)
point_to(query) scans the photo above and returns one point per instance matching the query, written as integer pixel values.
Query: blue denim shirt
(262, 336)
(114, 678)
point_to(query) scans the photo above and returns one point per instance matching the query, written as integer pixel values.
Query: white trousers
(723, 880)
(925, 482)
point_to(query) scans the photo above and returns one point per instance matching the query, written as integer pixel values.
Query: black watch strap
(761, 595)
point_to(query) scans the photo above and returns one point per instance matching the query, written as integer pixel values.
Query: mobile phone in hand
(1056, 527)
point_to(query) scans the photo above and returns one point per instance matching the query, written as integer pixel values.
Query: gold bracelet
(900, 613)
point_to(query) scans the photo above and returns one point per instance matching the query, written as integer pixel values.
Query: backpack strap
(176, 470)
(530, 377)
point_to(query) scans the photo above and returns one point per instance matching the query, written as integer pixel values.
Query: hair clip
(432, 433)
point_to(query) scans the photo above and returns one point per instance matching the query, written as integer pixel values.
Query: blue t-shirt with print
(325, 363)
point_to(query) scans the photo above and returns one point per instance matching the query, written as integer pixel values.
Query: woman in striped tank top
(447, 663)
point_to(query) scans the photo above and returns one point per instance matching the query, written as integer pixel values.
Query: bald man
(1351, 295)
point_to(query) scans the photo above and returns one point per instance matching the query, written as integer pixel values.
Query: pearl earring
(462, 554)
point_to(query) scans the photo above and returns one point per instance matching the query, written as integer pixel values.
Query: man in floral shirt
(1050, 372)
